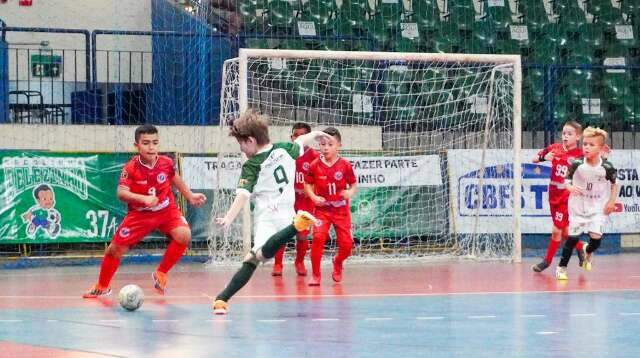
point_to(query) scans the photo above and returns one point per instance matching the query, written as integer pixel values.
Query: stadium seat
(462, 13)
(426, 14)
(591, 35)
(483, 39)
(377, 28)
(389, 13)
(322, 13)
(498, 16)
(281, 14)
(617, 87)
(604, 12)
(580, 83)
(534, 15)
(251, 14)
(569, 13)
(446, 40)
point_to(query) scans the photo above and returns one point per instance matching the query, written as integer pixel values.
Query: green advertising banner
(59, 197)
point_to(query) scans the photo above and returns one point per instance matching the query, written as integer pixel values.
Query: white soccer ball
(131, 297)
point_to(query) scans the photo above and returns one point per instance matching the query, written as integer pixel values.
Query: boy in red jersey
(302, 202)
(145, 185)
(330, 184)
(561, 155)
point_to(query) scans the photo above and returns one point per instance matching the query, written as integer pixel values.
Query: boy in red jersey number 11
(145, 185)
(330, 184)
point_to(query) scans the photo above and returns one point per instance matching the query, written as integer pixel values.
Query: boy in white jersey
(268, 177)
(591, 183)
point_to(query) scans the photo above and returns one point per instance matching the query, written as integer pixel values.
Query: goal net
(433, 138)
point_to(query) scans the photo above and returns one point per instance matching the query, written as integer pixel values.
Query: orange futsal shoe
(303, 220)
(220, 307)
(97, 291)
(159, 281)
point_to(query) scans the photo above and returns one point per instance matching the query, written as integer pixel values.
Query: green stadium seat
(533, 84)
(426, 14)
(462, 13)
(483, 39)
(251, 14)
(617, 87)
(389, 13)
(322, 13)
(281, 14)
(604, 12)
(534, 14)
(384, 36)
(497, 16)
(569, 13)
(446, 40)
(591, 35)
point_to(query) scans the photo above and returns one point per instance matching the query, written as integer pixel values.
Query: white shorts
(265, 227)
(594, 225)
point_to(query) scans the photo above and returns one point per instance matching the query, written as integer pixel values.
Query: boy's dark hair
(40, 188)
(301, 125)
(575, 125)
(251, 124)
(334, 132)
(145, 129)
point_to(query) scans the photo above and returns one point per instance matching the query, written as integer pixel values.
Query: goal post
(434, 139)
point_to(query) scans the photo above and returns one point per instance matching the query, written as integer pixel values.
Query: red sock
(301, 249)
(579, 245)
(277, 260)
(107, 270)
(342, 254)
(171, 256)
(317, 246)
(551, 250)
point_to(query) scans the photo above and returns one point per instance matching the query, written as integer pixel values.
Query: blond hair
(251, 124)
(592, 132)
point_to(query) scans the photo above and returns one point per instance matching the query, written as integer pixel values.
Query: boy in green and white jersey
(268, 177)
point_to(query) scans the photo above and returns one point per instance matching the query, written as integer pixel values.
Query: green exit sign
(46, 65)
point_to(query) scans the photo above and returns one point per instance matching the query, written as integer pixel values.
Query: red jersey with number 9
(560, 165)
(329, 180)
(149, 180)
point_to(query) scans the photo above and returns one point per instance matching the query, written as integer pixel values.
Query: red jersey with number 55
(303, 164)
(149, 180)
(329, 180)
(560, 165)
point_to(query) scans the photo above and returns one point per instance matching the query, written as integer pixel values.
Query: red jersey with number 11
(155, 180)
(329, 180)
(560, 165)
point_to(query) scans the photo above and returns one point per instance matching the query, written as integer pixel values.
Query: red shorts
(306, 204)
(138, 224)
(341, 221)
(560, 214)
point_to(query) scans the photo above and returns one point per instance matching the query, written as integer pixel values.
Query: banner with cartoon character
(59, 197)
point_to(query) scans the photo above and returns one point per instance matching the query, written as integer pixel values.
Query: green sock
(276, 241)
(238, 281)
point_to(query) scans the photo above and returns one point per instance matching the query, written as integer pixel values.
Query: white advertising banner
(201, 172)
(494, 205)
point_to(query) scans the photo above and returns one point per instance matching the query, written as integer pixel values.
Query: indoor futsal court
(414, 310)
(474, 164)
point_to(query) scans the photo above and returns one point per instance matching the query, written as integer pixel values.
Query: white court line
(378, 319)
(111, 320)
(325, 319)
(354, 295)
(629, 313)
(582, 314)
(532, 315)
(10, 320)
(164, 320)
(219, 320)
(429, 318)
(52, 320)
(481, 317)
(271, 320)
(546, 333)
